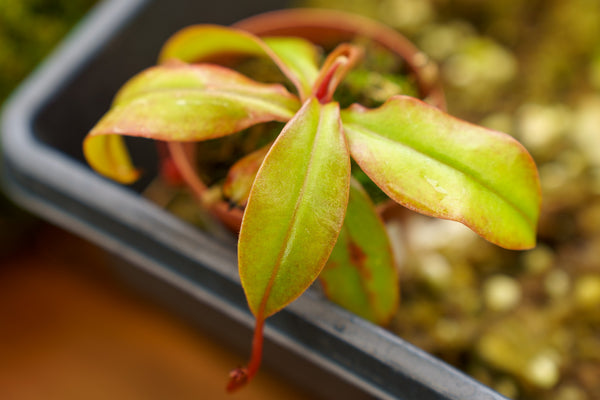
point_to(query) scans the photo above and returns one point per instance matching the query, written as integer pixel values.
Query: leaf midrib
(366, 131)
(292, 225)
(276, 108)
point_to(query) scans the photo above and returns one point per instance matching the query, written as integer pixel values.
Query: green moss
(28, 32)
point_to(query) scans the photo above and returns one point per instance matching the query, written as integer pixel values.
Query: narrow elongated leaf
(186, 102)
(181, 102)
(295, 213)
(296, 58)
(360, 274)
(441, 166)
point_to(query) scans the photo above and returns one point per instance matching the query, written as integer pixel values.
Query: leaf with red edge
(185, 102)
(441, 166)
(181, 102)
(293, 217)
(304, 204)
(296, 58)
(360, 274)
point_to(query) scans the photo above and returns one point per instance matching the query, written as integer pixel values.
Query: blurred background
(525, 323)
(29, 30)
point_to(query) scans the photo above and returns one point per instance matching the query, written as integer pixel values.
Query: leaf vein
(365, 131)
(293, 223)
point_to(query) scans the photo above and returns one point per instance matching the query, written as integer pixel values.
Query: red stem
(239, 377)
(186, 168)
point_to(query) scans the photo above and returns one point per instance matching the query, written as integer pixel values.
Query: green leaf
(184, 102)
(360, 274)
(441, 166)
(296, 58)
(201, 43)
(295, 210)
(181, 102)
(300, 57)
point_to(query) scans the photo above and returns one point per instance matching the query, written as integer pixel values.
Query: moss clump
(28, 31)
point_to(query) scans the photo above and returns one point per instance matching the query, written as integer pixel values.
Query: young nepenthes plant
(304, 215)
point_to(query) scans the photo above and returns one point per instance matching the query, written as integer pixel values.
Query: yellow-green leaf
(295, 213)
(182, 102)
(360, 274)
(108, 156)
(201, 43)
(300, 57)
(441, 166)
(296, 58)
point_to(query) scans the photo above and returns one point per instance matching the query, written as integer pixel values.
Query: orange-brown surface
(69, 330)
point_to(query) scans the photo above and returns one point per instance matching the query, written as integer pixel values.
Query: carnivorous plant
(303, 212)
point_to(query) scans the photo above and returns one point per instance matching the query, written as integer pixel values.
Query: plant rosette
(300, 213)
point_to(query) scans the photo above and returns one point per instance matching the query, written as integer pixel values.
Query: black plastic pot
(325, 349)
